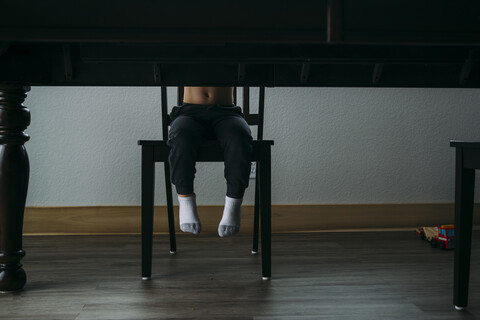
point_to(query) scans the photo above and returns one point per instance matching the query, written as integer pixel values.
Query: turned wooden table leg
(14, 173)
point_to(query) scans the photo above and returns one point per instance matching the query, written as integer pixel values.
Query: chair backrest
(252, 119)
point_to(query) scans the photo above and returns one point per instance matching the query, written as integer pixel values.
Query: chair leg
(148, 190)
(256, 215)
(171, 219)
(266, 203)
(464, 197)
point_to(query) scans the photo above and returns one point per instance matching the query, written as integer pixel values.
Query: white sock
(188, 215)
(232, 215)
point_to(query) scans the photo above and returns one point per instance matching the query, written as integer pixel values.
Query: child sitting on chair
(209, 113)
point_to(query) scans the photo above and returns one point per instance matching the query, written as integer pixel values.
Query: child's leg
(185, 136)
(235, 137)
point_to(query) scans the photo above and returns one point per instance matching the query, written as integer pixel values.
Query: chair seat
(210, 150)
(470, 153)
(465, 144)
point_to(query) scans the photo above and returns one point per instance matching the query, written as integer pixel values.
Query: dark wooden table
(314, 43)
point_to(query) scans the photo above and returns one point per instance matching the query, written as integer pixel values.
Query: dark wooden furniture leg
(171, 219)
(265, 212)
(256, 214)
(163, 153)
(14, 174)
(148, 191)
(464, 193)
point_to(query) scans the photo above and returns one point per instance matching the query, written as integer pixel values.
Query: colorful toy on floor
(442, 236)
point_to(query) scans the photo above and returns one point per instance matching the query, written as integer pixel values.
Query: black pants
(191, 124)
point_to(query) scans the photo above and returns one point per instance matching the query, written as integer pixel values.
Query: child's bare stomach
(208, 95)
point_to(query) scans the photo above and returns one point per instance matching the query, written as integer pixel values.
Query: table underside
(321, 43)
(226, 64)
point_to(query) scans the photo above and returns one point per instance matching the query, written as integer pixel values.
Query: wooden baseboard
(285, 218)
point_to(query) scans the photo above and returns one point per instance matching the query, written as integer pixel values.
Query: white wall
(332, 145)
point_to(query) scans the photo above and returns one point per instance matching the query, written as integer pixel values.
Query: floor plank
(362, 275)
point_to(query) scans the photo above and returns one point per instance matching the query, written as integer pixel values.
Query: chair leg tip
(173, 252)
(266, 278)
(459, 308)
(254, 252)
(146, 278)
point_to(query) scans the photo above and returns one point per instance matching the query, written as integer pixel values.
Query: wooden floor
(369, 275)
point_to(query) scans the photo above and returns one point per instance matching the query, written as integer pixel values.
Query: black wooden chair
(467, 160)
(210, 151)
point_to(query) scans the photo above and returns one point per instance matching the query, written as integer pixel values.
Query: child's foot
(232, 215)
(188, 215)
